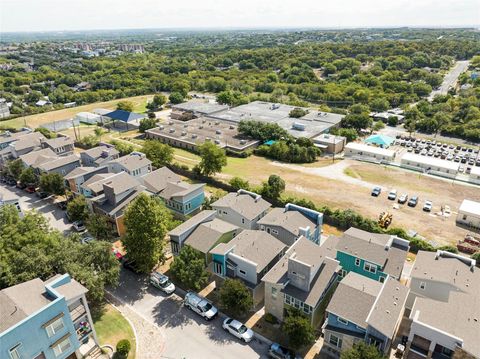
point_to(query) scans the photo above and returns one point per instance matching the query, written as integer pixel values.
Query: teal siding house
(46, 320)
(372, 255)
(181, 197)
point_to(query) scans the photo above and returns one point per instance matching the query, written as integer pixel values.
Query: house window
(262, 227)
(464, 217)
(242, 272)
(243, 220)
(274, 292)
(343, 321)
(217, 268)
(357, 262)
(372, 268)
(376, 343)
(423, 285)
(288, 299)
(343, 273)
(54, 327)
(382, 279)
(62, 347)
(335, 341)
(175, 247)
(274, 231)
(15, 352)
(307, 309)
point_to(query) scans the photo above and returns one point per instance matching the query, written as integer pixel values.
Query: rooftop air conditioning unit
(217, 123)
(161, 127)
(217, 142)
(203, 121)
(194, 135)
(218, 132)
(170, 122)
(184, 133)
(200, 127)
(242, 142)
(185, 125)
(207, 139)
(232, 127)
(172, 130)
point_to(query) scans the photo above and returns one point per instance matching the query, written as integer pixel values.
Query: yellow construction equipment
(385, 219)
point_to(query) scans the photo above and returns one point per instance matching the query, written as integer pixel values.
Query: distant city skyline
(55, 15)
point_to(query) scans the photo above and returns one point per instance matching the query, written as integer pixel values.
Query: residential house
(9, 198)
(99, 156)
(36, 158)
(80, 175)
(289, 223)
(58, 164)
(242, 208)
(304, 278)
(136, 164)
(8, 137)
(94, 186)
(46, 320)
(61, 145)
(444, 301)
(202, 232)
(248, 257)
(363, 309)
(373, 255)
(25, 144)
(181, 197)
(118, 192)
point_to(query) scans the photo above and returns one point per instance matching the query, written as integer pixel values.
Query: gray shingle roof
(59, 141)
(29, 140)
(243, 204)
(35, 158)
(79, 171)
(204, 237)
(191, 222)
(132, 161)
(96, 152)
(257, 246)
(289, 220)
(157, 180)
(120, 182)
(58, 162)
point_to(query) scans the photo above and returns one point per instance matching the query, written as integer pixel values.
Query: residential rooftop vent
(218, 132)
(170, 122)
(194, 135)
(200, 127)
(207, 139)
(172, 130)
(184, 133)
(242, 142)
(161, 128)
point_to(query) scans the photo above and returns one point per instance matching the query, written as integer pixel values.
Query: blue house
(181, 197)
(289, 223)
(375, 256)
(46, 320)
(362, 309)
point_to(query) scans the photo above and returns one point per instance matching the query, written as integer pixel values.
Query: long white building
(368, 152)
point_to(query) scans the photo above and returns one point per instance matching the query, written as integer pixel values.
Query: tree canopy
(235, 297)
(213, 159)
(189, 268)
(159, 153)
(361, 350)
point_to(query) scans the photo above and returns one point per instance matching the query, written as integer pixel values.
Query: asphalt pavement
(186, 334)
(450, 79)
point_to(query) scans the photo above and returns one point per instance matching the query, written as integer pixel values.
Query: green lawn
(111, 327)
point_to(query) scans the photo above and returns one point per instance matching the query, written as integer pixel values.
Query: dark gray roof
(59, 141)
(256, 246)
(96, 152)
(120, 182)
(201, 107)
(132, 161)
(244, 204)
(79, 171)
(192, 222)
(157, 180)
(291, 221)
(58, 162)
(204, 237)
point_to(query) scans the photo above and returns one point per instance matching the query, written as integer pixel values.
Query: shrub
(123, 347)
(297, 112)
(270, 318)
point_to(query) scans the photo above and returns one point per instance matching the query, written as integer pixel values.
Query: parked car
(42, 195)
(427, 206)
(130, 265)
(413, 201)
(403, 198)
(276, 351)
(238, 329)
(79, 226)
(392, 195)
(200, 305)
(87, 238)
(162, 282)
(30, 189)
(62, 205)
(376, 191)
(20, 185)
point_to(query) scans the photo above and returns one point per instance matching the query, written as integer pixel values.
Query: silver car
(238, 329)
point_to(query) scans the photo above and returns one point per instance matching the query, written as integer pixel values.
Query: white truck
(200, 305)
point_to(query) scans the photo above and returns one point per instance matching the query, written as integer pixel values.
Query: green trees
(294, 151)
(77, 209)
(28, 177)
(298, 329)
(52, 183)
(176, 97)
(147, 123)
(213, 158)
(125, 106)
(231, 98)
(262, 131)
(158, 101)
(99, 227)
(297, 112)
(15, 168)
(239, 183)
(358, 118)
(123, 347)
(147, 221)
(160, 154)
(189, 268)
(123, 147)
(235, 297)
(30, 249)
(361, 350)
(350, 133)
(273, 187)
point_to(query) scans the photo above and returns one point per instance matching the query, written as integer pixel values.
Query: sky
(61, 15)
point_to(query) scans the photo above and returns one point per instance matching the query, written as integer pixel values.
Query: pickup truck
(200, 305)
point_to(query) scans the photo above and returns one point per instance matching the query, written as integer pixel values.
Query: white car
(238, 329)
(200, 305)
(162, 282)
(392, 194)
(427, 206)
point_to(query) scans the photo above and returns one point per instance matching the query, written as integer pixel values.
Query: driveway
(186, 335)
(53, 213)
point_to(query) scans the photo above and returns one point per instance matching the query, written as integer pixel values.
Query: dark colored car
(62, 205)
(21, 185)
(276, 351)
(413, 201)
(30, 189)
(42, 194)
(376, 191)
(11, 181)
(130, 265)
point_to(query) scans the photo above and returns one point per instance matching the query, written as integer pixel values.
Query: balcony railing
(78, 312)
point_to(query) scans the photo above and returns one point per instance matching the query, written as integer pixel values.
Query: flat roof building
(365, 152)
(330, 143)
(469, 214)
(190, 134)
(430, 165)
(197, 107)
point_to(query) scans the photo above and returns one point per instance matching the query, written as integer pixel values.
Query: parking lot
(466, 157)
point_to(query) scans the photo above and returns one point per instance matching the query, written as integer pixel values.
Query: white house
(469, 214)
(362, 151)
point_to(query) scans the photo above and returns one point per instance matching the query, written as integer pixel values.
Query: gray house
(61, 165)
(61, 145)
(76, 178)
(248, 257)
(242, 208)
(98, 156)
(135, 164)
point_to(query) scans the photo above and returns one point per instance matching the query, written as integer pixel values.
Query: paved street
(55, 215)
(450, 79)
(186, 334)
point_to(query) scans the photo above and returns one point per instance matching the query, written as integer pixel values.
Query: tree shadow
(137, 285)
(171, 313)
